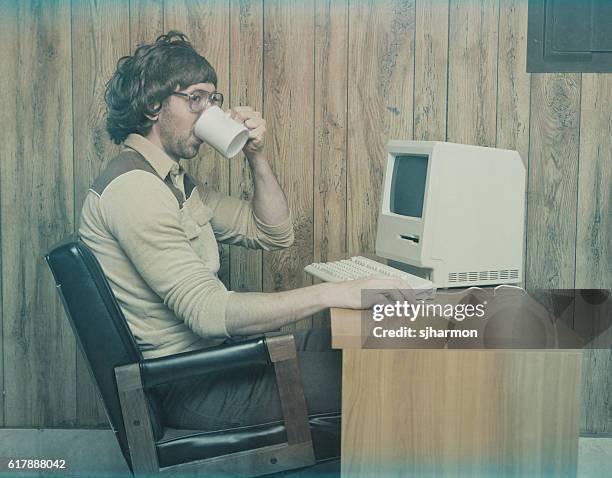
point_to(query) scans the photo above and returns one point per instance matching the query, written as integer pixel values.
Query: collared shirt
(159, 250)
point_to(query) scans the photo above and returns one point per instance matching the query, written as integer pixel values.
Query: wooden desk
(456, 412)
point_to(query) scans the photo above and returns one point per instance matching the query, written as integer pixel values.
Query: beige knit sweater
(160, 253)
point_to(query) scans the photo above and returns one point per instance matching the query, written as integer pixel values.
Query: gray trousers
(249, 396)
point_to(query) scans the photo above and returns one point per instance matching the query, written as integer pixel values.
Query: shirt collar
(161, 162)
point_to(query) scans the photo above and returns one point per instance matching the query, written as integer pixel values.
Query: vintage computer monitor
(453, 213)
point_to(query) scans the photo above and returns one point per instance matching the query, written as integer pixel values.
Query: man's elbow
(277, 241)
(282, 242)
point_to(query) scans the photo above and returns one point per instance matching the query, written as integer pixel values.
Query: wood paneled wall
(335, 80)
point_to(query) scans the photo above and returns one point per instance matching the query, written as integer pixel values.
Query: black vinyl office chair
(126, 384)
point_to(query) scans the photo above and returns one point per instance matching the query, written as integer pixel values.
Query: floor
(93, 453)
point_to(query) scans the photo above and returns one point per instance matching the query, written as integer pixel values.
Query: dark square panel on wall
(568, 36)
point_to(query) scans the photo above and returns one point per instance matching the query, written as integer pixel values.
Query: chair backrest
(101, 330)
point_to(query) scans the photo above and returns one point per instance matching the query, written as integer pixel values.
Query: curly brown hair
(148, 78)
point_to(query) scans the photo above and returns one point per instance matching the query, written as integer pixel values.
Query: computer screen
(408, 185)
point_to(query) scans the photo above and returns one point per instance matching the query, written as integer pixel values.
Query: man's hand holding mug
(257, 129)
(242, 128)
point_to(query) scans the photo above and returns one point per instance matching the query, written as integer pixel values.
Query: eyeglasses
(199, 100)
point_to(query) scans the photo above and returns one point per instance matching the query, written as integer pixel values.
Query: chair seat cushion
(182, 446)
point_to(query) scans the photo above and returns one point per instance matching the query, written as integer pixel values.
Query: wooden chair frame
(297, 452)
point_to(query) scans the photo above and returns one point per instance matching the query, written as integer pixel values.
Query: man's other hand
(347, 294)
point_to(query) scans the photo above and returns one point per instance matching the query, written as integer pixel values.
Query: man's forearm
(269, 201)
(256, 312)
(250, 313)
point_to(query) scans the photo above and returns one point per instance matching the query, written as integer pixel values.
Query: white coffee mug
(221, 131)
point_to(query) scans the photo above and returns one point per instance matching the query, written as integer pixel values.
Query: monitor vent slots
(504, 274)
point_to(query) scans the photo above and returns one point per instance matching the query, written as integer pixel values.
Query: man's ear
(154, 116)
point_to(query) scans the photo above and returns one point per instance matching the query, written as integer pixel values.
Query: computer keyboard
(359, 267)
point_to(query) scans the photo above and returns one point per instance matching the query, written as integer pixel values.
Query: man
(155, 229)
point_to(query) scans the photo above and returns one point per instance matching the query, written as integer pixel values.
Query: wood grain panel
(380, 89)
(289, 111)
(206, 23)
(460, 413)
(596, 414)
(513, 84)
(593, 241)
(593, 244)
(472, 72)
(553, 168)
(8, 135)
(99, 39)
(331, 45)
(246, 88)
(37, 184)
(146, 21)
(430, 70)
(330, 103)
(597, 382)
(100, 36)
